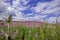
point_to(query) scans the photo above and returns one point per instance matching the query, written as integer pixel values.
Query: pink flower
(1, 33)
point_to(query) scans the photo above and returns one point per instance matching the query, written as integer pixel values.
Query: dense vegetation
(45, 32)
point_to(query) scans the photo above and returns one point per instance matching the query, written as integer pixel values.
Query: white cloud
(39, 16)
(52, 7)
(17, 18)
(18, 5)
(19, 14)
(51, 20)
(25, 2)
(5, 10)
(58, 19)
(55, 10)
(40, 7)
(9, 8)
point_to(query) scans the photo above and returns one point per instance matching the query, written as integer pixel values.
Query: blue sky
(30, 10)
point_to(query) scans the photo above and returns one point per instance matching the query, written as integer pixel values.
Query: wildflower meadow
(21, 32)
(32, 33)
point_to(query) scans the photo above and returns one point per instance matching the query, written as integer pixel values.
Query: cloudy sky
(31, 10)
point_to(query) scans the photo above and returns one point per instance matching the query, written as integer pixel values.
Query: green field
(45, 32)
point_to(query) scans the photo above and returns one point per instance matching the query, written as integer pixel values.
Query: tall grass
(35, 33)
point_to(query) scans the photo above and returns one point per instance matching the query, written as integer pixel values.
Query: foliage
(34, 33)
